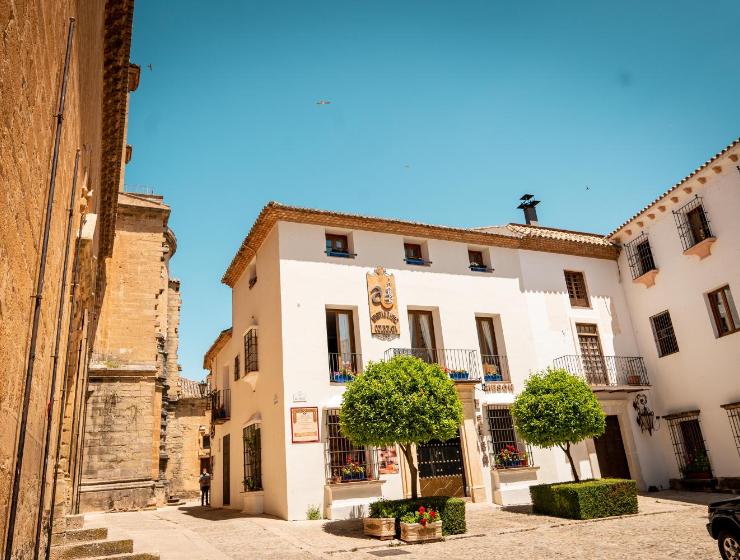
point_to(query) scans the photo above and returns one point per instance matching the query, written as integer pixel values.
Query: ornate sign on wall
(304, 424)
(381, 295)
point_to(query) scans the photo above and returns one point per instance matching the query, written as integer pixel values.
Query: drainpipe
(83, 421)
(31, 359)
(62, 401)
(55, 362)
(77, 405)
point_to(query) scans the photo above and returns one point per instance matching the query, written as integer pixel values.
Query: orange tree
(402, 401)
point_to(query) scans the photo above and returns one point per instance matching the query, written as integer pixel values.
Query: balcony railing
(608, 371)
(460, 364)
(344, 366)
(221, 405)
(495, 368)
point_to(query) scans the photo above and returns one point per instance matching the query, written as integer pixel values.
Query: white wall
(704, 374)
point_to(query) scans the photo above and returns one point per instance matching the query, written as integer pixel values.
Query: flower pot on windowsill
(459, 375)
(342, 377)
(634, 380)
(491, 377)
(698, 475)
(353, 477)
(416, 532)
(382, 527)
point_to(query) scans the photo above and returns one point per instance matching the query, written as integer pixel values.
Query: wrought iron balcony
(460, 364)
(496, 374)
(221, 405)
(606, 371)
(344, 366)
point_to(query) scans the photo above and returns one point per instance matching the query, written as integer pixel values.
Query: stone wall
(34, 37)
(187, 424)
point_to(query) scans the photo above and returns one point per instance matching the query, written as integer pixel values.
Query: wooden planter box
(416, 532)
(382, 527)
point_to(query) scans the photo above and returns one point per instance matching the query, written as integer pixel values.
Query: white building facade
(490, 305)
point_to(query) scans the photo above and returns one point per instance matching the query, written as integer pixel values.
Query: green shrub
(588, 499)
(451, 510)
(313, 513)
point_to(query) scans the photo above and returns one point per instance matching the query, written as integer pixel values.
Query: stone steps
(92, 549)
(80, 536)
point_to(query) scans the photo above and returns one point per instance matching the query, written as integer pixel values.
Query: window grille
(252, 438)
(576, 284)
(665, 337)
(733, 415)
(206, 442)
(688, 444)
(640, 256)
(345, 462)
(237, 368)
(724, 313)
(507, 449)
(250, 351)
(692, 223)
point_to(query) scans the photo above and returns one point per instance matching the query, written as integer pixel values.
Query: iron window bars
(252, 438)
(733, 415)
(507, 449)
(250, 351)
(688, 445)
(576, 284)
(221, 404)
(640, 256)
(692, 223)
(665, 337)
(237, 368)
(346, 462)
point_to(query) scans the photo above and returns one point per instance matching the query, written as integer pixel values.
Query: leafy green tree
(403, 401)
(557, 408)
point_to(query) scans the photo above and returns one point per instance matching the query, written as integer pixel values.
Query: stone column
(469, 441)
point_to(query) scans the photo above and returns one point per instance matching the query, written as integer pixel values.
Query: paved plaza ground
(669, 525)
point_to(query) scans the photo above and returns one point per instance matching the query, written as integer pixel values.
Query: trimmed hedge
(452, 511)
(588, 499)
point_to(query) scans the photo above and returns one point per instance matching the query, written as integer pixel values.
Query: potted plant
(422, 525)
(457, 374)
(353, 471)
(633, 379)
(344, 375)
(489, 377)
(381, 523)
(698, 467)
(509, 456)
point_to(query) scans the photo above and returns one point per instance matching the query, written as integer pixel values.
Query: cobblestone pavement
(669, 525)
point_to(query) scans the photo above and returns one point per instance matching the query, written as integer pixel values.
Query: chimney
(530, 212)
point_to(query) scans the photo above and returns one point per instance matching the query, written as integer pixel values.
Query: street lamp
(203, 388)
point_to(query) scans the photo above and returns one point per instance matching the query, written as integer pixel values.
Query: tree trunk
(566, 450)
(408, 453)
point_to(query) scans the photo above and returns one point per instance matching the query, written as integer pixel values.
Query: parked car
(724, 525)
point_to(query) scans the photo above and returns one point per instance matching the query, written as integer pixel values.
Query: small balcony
(344, 366)
(221, 405)
(606, 372)
(496, 374)
(460, 364)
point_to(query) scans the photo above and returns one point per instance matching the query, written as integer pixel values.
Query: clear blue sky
(441, 111)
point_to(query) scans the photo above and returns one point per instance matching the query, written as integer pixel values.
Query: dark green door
(226, 470)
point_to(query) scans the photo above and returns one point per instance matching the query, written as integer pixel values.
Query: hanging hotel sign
(381, 295)
(304, 424)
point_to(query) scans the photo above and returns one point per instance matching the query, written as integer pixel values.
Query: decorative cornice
(527, 237)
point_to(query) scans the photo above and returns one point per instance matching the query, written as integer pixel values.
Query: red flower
(432, 514)
(422, 509)
(423, 521)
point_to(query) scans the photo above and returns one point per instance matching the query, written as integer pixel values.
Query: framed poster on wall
(304, 424)
(388, 459)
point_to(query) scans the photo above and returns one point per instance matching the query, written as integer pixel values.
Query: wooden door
(610, 451)
(592, 358)
(226, 470)
(441, 469)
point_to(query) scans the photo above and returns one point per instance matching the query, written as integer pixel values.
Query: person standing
(205, 488)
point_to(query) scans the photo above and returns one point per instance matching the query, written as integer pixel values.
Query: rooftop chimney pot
(528, 204)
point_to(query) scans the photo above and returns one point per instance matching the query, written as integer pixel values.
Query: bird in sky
(149, 66)
(323, 102)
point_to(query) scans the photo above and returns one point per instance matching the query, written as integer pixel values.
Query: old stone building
(65, 77)
(142, 426)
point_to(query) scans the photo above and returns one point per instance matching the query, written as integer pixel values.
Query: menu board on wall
(304, 424)
(381, 295)
(388, 459)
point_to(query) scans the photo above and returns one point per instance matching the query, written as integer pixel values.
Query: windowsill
(340, 255)
(417, 262)
(253, 492)
(580, 306)
(666, 355)
(702, 249)
(728, 333)
(251, 379)
(354, 483)
(483, 269)
(647, 279)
